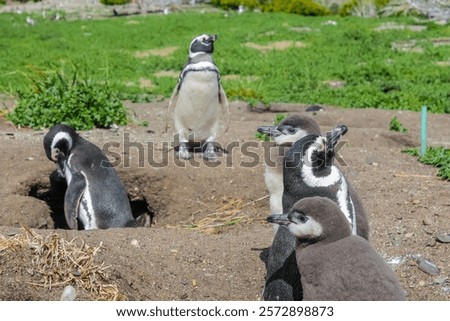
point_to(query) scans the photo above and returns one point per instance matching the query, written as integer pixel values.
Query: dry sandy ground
(209, 236)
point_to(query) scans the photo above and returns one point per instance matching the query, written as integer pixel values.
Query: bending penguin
(199, 104)
(335, 264)
(290, 129)
(95, 197)
(308, 170)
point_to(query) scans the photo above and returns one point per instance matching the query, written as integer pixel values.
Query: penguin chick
(290, 129)
(95, 197)
(336, 265)
(308, 170)
(200, 106)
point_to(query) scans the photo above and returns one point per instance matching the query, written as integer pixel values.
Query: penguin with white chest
(290, 129)
(309, 171)
(199, 104)
(95, 197)
(335, 264)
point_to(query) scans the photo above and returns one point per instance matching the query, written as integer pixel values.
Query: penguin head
(291, 129)
(335, 135)
(59, 141)
(203, 44)
(314, 219)
(316, 151)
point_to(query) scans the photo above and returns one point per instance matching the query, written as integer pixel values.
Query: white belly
(86, 212)
(198, 109)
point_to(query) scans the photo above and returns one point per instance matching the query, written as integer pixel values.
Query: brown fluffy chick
(334, 264)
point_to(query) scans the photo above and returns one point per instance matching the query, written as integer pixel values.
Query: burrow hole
(52, 191)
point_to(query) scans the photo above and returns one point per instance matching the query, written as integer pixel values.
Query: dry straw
(59, 263)
(226, 215)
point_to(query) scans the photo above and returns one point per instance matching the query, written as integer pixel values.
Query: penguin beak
(271, 131)
(281, 219)
(335, 135)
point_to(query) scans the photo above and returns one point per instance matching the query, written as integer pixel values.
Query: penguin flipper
(72, 199)
(172, 103)
(225, 108)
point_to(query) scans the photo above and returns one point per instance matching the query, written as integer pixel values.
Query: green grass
(71, 97)
(396, 126)
(352, 52)
(435, 156)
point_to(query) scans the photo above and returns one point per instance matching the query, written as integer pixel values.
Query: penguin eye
(292, 130)
(302, 218)
(56, 151)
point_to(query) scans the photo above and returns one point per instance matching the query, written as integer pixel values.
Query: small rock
(444, 238)
(69, 293)
(76, 273)
(440, 280)
(173, 251)
(194, 282)
(422, 283)
(415, 202)
(430, 243)
(314, 108)
(135, 243)
(184, 296)
(114, 128)
(427, 221)
(427, 266)
(409, 235)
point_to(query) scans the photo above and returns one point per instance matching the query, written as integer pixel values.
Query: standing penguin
(309, 171)
(335, 264)
(200, 106)
(290, 129)
(95, 197)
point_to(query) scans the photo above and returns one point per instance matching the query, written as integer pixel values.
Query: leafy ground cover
(263, 57)
(436, 156)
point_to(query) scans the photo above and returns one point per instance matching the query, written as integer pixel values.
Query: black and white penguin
(95, 196)
(290, 129)
(199, 104)
(335, 264)
(309, 171)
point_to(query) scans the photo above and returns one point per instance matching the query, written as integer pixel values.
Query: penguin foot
(183, 152)
(209, 153)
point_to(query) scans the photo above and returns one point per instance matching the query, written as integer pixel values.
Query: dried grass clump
(59, 262)
(226, 215)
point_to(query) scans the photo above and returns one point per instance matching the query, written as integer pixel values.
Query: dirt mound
(208, 237)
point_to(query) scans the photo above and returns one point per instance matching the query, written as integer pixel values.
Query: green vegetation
(396, 126)
(302, 7)
(74, 99)
(114, 2)
(435, 156)
(154, 48)
(278, 118)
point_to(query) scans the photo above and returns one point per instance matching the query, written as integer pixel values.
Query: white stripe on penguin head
(62, 136)
(307, 170)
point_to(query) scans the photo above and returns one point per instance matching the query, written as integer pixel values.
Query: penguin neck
(320, 176)
(200, 57)
(335, 231)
